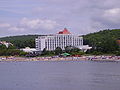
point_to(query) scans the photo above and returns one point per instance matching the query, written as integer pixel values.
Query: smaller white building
(85, 48)
(29, 50)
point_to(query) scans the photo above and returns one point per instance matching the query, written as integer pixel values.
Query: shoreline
(82, 58)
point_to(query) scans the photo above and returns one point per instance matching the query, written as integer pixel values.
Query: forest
(21, 41)
(102, 42)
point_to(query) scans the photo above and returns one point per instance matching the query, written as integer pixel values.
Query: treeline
(11, 51)
(58, 51)
(21, 41)
(103, 42)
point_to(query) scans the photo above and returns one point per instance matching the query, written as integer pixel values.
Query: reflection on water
(63, 75)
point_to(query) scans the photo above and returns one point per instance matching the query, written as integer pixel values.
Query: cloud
(4, 25)
(16, 29)
(107, 19)
(112, 15)
(105, 15)
(37, 10)
(28, 26)
(47, 16)
(38, 24)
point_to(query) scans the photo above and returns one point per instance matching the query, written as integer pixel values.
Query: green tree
(58, 51)
(44, 52)
(103, 41)
(2, 47)
(11, 47)
(68, 49)
(71, 49)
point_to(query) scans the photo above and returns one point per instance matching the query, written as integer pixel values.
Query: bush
(58, 51)
(77, 53)
(97, 53)
(12, 52)
(117, 53)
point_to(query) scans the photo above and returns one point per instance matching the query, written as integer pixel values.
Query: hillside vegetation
(103, 41)
(21, 41)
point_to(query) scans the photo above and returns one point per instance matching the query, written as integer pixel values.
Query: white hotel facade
(62, 39)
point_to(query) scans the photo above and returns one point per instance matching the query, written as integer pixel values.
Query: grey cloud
(29, 26)
(105, 14)
(80, 16)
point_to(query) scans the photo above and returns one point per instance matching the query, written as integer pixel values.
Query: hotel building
(62, 39)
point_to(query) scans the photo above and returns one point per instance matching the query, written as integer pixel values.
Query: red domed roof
(65, 31)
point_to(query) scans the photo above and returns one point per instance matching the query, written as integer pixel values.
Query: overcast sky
(21, 17)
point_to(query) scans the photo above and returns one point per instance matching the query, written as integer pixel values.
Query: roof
(65, 31)
(28, 49)
(65, 54)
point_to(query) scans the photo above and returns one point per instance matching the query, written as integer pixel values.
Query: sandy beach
(90, 58)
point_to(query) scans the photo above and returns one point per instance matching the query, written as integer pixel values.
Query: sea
(60, 75)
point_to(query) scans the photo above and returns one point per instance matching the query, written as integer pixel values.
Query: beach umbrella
(65, 54)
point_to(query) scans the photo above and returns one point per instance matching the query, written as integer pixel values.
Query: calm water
(63, 75)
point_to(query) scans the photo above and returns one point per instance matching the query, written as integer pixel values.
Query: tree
(71, 49)
(2, 52)
(44, 51)
(103, 41)
(2, 47)
(47, 53)
(68, 49)
(11, 47)
(23, 53)
(58, 51)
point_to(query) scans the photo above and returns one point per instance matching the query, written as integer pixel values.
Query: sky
(22, 17)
